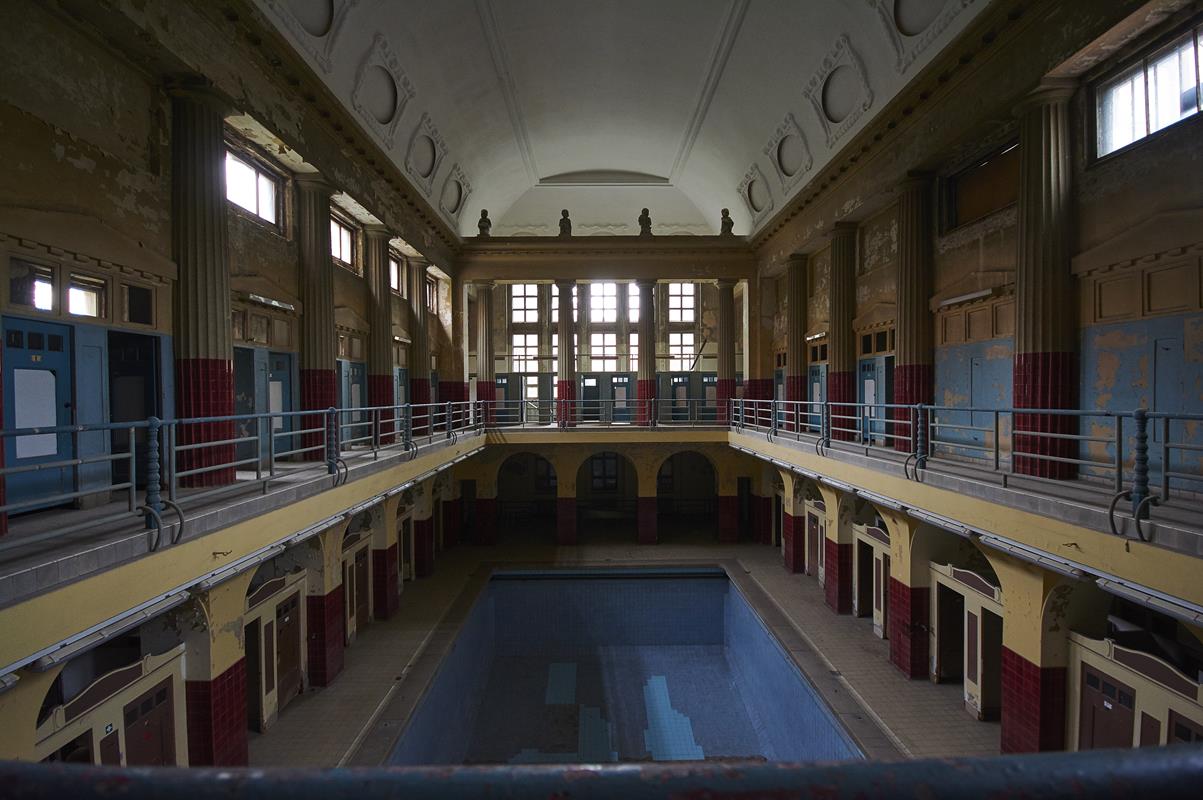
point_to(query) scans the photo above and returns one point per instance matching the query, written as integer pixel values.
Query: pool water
(618, 666)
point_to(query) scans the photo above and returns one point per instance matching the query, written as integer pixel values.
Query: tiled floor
(320, 728)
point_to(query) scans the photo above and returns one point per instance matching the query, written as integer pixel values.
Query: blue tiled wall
(976, 375)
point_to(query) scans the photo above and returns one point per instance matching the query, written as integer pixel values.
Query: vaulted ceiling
(524, 107)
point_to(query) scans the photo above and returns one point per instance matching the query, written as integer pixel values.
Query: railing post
(825, 423)
(448, 420)
(375, 429)
(154, 494)
(1140, 469)
(332, 440)
(407, 424)
(1119, 453)
(773, 419)
(920, 437)
(997, 443)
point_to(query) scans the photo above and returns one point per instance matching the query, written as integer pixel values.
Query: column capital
(916, 180)
(313, 182)
(643, 282)
(377, 231)
(565, 281)
(800, 259)
(484, 284)
(201, 91)
(843, 228)
(726, 283)
(1051, 91)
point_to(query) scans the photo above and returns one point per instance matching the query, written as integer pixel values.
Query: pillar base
(793, 531)
(837, 576)
(386, 599)
(565, 520)
(725, 394)
(841, 388)
(758, 388)
(1033, 705)
(486, 393)
(317, 394)
(424, 547)
(380, 393)
(565, 403)
(453, 391)
(728, 519)
(913, 384)
(327, 631)
(216, 709)
(1045, 380)
(909, 618)
(645, 392)
(205, 388)
(647, 514)
(419, 395)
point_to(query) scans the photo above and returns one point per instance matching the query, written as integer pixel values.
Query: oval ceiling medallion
(758, 195)
(379, 93)
(453, 196)
(791, 155)
(913, 17)
(315, 16)
(840, 92)
(424, 155)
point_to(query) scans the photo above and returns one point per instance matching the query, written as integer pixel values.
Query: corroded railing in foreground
(1165, 773)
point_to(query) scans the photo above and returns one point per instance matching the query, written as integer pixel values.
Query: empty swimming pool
(617, 666)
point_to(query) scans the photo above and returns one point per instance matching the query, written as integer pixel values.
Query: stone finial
(645, 223)
(565, 224)
(726, 224)
(485, 225)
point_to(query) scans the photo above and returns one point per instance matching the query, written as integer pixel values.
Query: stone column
(726, 346)
(796, 299)
(380, 327)
(566, 371)
(841, 341)
(486, 376)
(758, 354)
(204, 355)
(419, 347)
(914, 355)
(453, 385)
(1046, 363)
(645, 379)
(547, 378)
(318, 342)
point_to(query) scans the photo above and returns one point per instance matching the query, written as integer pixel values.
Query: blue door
(817, 378)
(620, 391)
(590, 398)
(37, 394)
(279, 399)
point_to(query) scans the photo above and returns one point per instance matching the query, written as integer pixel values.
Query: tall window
(251, 187)
(555, 304)
(603, 350)
(633, 352)
(432, 294)
(680, 352)
(396, 278)
(31, 285)
(605, 472)
(681, 301)
(632, 303)
(1157, 92)
(530, 387)
(524, 349)
(524, 302)
(342, 243)
(603, 302)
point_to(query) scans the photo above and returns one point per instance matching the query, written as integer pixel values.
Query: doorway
(1107, 715)
(950, 635)
(150, 728)
(362, 609)
(864, 579)
(254, 676)
(133, 396)
(288, 640)
(812, 544)
(991, 685)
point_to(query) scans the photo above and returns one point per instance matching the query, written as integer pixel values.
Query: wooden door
(150, 728)
(885, 596)
(110, 750)
(1183, 729)
(1108, 715)
(288, 650)
(254, 676)
(362, 611)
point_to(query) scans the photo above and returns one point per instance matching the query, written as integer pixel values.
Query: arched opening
(687, 498)
(607, 488)
(526, 498)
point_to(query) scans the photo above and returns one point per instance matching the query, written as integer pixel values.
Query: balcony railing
(1143, 458)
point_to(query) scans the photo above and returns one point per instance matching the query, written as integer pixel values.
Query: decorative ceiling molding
(841, 55)
(718, 64)
(501, 63)
(381, 55)
(454, 210)
(789, 127)
(319, 47)
(604, 177)
(424, 128)
(907, 48)
(754, 175)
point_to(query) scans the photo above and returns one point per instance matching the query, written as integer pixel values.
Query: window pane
(1172, 87)
(335, 238)
(240, 183)
(84, 302)
(394, 274)
(267, 198)
(633, 303)
(1122, 111)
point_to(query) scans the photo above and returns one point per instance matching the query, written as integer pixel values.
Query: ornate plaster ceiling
(604, 107)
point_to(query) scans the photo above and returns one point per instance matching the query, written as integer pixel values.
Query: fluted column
(645, 379)
(914, 353)
(796, 299)
(726, 345)
(419, 347)
(566, 368)
(1046, 368)
(380, 326)
(486, 374)
(841, 341)
(318, 342)
(547, 378)
(203, 339)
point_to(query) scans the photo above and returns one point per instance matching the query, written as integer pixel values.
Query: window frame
(262, 168)
(345, 223)
(680, 309)
(605, 343)
(395, 258)
(526, 294)
(524, 353)
(1141, 57)
(603, 303)
(431, 290)
(676, 351)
